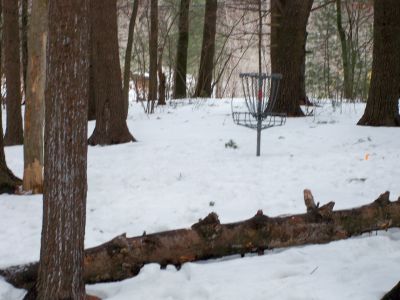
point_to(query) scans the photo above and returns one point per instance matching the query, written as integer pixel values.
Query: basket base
(249, 120)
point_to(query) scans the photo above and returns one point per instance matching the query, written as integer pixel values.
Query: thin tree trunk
(153, 47)
(14, 133)
(111, 127)
(34, 108)
(161, 80)
(61, 268)
(181, 51)
(382, 105)
(128, 56)
(24, 42)
(204, 80)
(347, 82)
(288, 30)
(123, 257)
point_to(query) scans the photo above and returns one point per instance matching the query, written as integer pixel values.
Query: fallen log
(123, 257)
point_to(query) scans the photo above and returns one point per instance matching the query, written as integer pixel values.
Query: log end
(21, 276)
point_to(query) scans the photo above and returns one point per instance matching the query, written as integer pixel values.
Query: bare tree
(153, 51)
(128, 56)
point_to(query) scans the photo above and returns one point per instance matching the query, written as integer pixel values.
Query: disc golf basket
(260, 93)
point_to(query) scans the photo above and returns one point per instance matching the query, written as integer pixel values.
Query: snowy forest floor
(180, 170)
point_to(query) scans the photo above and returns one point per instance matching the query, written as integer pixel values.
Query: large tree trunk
(14, 133)
(181, 51)
(123, 257)
(204, 80)
(61, 267)
(128, 57)
(382, 105)
(288, 31)
(111, 127)
(34, 106)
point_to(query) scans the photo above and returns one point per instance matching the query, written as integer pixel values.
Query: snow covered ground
(180, 165)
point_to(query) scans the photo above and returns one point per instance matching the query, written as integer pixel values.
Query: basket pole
(260, 81)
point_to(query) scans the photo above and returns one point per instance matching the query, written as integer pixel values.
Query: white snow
(180, 165)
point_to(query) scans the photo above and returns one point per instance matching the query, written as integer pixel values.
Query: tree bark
(123, 257)
(34, 106)
(288, 30)
(92, 96)
(111, 127)
(153, 50)
(61, 267)
(303, 94)
(128, 56)
(204, 80)
(382, 105)
(348, 75)
(8, 181)
(14, 133)
(393, 294)
(161, 81)
(24, 42)
(181, 51)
